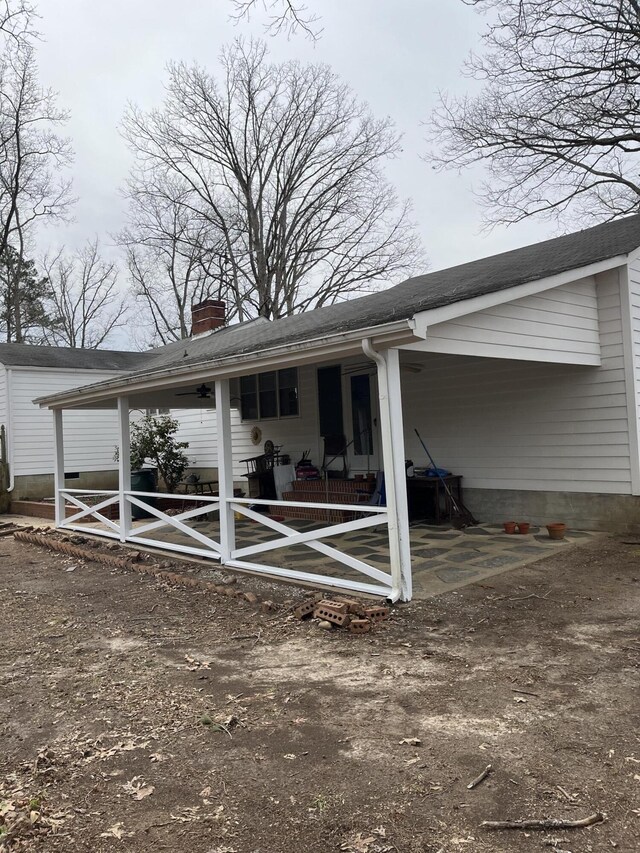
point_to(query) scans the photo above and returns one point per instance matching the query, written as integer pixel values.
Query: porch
(442, 558)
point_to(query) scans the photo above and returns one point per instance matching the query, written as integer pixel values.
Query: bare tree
(557, 122)
(286, 168)
(85, 305)
(174, 258)
(16, 19)
(284, 16)
(32, 154)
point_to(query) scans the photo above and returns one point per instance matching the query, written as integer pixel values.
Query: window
(269, 395)
(361, 415)
(154, 412)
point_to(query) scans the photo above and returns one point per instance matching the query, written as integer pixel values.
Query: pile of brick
(356, 616)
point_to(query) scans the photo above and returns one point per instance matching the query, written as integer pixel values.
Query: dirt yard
(136, 716)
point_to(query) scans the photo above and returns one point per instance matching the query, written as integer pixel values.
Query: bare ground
(139, 717)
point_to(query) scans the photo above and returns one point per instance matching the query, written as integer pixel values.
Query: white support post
(394, 379)
(390, 401)
(58, 467)
(124, 467)
(225, 470)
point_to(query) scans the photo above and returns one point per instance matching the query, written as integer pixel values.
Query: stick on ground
(480, 778)
(547, 823)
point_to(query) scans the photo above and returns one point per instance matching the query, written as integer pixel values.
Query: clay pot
(556, 530)
(523, 527)
(509, 526)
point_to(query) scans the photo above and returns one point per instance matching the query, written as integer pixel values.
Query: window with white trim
(269, 395)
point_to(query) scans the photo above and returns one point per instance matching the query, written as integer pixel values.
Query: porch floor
(442, 558)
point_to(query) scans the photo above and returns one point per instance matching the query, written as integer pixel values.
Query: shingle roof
(421, 293)
(66, 358)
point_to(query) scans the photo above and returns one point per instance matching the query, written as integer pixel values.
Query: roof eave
(328, 346)
(462, 307)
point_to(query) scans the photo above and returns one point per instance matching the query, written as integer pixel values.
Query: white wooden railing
(205, 506)
(375, 516)
(86, 511)
(198, 543)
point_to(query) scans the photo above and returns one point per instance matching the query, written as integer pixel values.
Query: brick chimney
(207, 316)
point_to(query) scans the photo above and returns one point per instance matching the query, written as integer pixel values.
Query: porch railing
(204, 506)
(91, 503)
(290, 536)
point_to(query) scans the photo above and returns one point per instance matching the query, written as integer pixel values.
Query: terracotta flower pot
(523, 527)
(556, 530)
(509, 526)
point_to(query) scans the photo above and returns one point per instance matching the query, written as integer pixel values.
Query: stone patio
(443, 558)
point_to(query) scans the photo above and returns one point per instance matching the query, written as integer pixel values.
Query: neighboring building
(27, 372)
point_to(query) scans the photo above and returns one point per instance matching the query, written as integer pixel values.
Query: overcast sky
(396, 54)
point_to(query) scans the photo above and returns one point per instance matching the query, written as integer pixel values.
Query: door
(363, 423)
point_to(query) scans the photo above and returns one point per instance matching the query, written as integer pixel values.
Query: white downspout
(388, 463)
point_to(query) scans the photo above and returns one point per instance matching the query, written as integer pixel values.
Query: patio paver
(442, 558)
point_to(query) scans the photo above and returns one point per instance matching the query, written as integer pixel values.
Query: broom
(460, 515)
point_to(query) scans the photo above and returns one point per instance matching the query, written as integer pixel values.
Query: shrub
(153, 440)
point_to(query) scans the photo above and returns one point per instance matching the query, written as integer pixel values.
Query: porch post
(394, 379)
(124, 467)
(225, 470)
(390, 400)
(58, 467)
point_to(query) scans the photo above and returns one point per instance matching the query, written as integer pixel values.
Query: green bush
(153, 441)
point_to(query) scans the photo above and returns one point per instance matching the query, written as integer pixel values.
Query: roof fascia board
(488, 300)
(341, 344)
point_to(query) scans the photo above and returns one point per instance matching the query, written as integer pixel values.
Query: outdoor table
(427, 497)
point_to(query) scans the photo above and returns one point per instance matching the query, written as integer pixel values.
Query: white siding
(633, 354)
(558, 325)
(3, 396)
(513, 425)
(89, 436)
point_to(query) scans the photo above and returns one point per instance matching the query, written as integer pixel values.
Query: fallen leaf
(137, 788)
(115, 831)
(141, 793)
(410, 741)
(289, 756)
(519, 699)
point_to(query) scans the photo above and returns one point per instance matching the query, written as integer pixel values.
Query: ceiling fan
(202, 392)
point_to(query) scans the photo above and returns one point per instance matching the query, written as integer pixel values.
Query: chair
(335, 446)
(379, 495)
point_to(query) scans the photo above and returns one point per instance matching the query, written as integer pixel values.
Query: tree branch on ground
(557, 121)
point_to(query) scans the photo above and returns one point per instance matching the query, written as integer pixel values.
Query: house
(521, 371)
(29, 371)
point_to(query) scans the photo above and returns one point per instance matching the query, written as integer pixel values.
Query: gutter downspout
(387, 461)
(12, 478)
